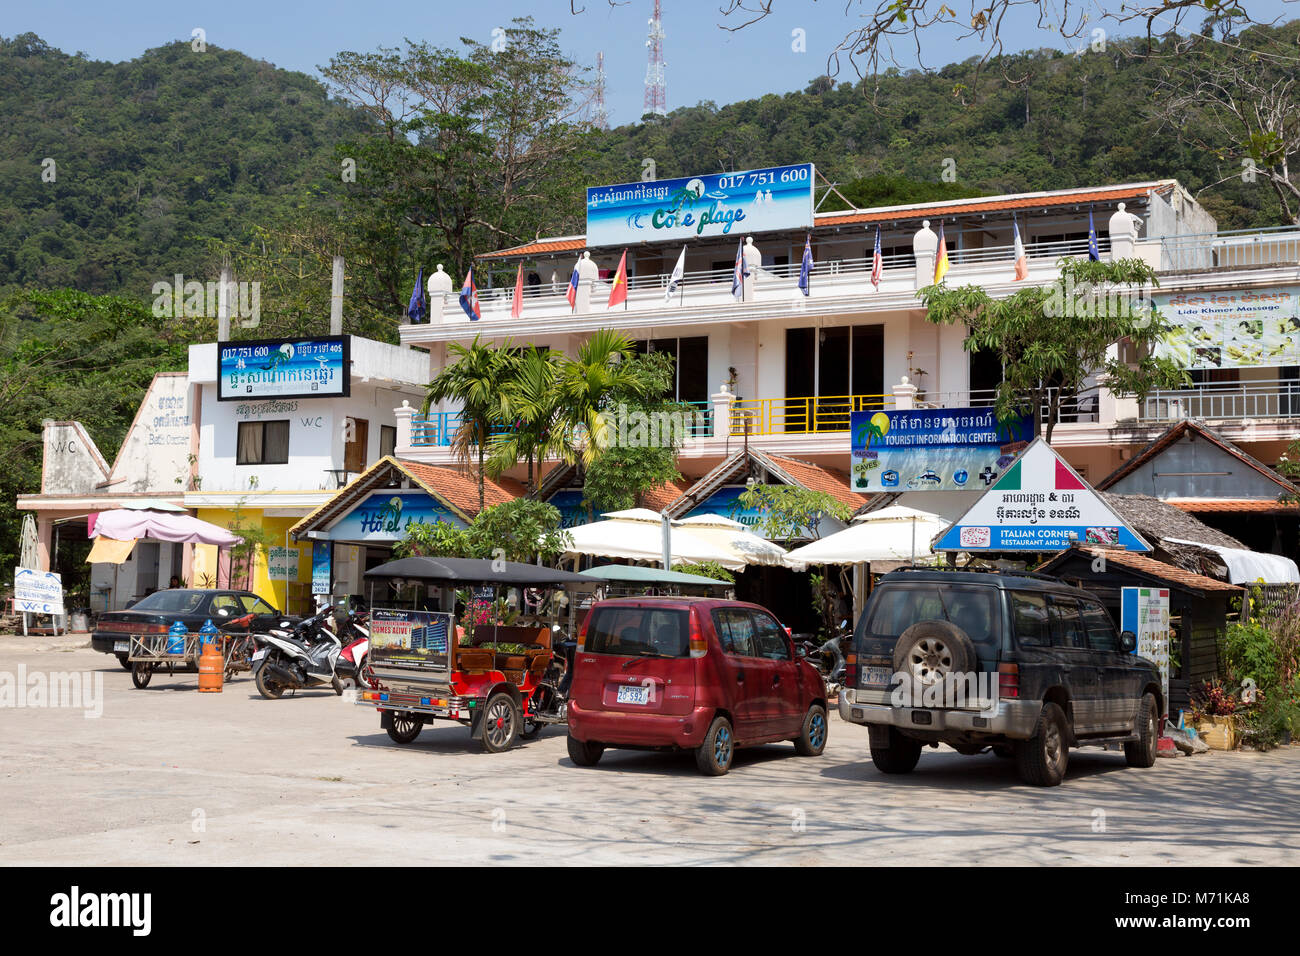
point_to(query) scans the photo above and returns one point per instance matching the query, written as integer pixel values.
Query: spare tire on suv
(928, 651)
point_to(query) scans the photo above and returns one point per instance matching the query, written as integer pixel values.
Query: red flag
(517, 307)
(619, 292)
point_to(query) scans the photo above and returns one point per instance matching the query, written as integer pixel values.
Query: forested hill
(150, 158)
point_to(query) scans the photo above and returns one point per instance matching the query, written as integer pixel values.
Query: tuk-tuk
(503, 682)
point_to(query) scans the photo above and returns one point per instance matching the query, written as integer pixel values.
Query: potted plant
(1214, 711)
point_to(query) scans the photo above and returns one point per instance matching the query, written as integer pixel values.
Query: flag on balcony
(941, 258)
(1093, 254)
(416, 307)
(806, 267)
(618, 293)
(877, 262)
(517, 306)
(1022, 264)
(739, 273)
(469, 297)
(678, 277)
(572, 294)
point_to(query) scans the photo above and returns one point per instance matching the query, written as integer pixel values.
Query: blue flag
(805, 270)
(1093, 254)
(416, 307)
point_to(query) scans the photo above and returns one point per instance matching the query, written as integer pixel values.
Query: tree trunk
(1053, 412)
(480, 477)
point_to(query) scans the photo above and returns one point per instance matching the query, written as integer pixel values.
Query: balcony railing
(439, 429)
(1239, 248)
(1225, 401)
(801, 416)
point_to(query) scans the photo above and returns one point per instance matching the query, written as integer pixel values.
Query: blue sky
(704, 62)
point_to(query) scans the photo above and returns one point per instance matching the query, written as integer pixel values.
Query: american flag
(877, 262)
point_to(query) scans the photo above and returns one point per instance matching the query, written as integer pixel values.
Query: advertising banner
(1145, 612)
(386, 516)
(1232, 329)
(698, 207)
(933, 449)
(1039, 504)
(282, 563)
(320, 567)
(283, 368)
(37, 592)
(409, 636)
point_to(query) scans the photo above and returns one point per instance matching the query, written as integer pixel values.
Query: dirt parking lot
(166, 775)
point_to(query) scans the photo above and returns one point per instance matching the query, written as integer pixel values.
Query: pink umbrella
(124, 525)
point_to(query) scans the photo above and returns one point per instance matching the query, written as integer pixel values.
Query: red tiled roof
(820, 478)
(1151, 567)
(1234, 505)
(460, 489)
(657, 499)
(896, 213)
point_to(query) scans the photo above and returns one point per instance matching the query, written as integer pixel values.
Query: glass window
(387, 440)
(1101, 632)
(1029, 614)
(255, 604)
(736, 632)
(172, 601)
(229, 602)
(639, 632)
(262, 443)
(770, 638)
(1067, 626)
(970, 608)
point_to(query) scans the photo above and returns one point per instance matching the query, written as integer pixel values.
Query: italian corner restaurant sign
(37, 592)
(284, 368)
(1039, 504)
(698, 207)
(933, 449)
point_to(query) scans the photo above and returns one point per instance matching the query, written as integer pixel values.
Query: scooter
(828, 657)
(355, 657)
(306, 656)
(549, 704)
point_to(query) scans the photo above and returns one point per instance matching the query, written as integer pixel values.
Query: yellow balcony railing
(801, 416)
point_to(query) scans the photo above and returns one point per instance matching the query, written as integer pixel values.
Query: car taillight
(850, 669)
(1008, 680)
(582, 633)
(698, 645)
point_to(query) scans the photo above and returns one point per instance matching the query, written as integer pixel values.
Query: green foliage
(708, 569)
(791, 512)
(1049, 339)
(886, 190)
(243, 555)
(435, 539)
(522, 529)
(1265, 650)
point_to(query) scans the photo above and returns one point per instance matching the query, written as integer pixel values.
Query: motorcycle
(305, 655)
(355, 656)
(828, 657)
(549, 703)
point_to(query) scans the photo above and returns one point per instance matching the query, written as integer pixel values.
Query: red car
(676, 673)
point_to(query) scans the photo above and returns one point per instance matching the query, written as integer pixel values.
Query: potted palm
(1214, 711)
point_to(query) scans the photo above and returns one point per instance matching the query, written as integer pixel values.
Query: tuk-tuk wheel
(141, 674)
(501, 723)
(531, 729)
(404, 727)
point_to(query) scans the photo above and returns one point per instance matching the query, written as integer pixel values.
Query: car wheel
(141, 674)
(714, 755)
(501, 720)
(404, 727)
(898, 756)
(585, 753)
(812, 736)
(1142, 752)
(125, 661)
(1042, 759)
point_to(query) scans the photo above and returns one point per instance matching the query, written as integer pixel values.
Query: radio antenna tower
(656, 99)
(599, 115)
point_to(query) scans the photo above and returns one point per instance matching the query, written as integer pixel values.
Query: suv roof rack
(1010, 573)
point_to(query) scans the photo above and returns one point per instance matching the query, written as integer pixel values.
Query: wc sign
(37, 592)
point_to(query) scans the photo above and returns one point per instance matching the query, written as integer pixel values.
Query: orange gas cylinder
(211, 666)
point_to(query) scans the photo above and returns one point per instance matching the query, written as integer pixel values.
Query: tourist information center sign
(933, 449)
(700, 207)
(1039, 504)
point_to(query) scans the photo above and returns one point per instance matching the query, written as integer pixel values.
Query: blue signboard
(933, 449)
(320, 567)
(386, 516)
(726, 502)
(699, 207)
(569, 505)
(283, 368)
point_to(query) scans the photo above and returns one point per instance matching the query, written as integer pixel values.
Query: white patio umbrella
(733, 536)
(637, 535)
(896, 533)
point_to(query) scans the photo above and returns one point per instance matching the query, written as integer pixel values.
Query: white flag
(679, 273)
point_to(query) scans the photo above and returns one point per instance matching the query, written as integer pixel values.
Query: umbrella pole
(914, 540)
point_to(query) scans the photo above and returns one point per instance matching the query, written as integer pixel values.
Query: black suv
(1022, 664)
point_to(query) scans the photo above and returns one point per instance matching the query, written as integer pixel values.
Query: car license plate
(633, 695)
(259, 653)
(121, 646)
(877, 676)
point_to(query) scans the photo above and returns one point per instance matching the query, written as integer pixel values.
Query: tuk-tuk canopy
(477, 571)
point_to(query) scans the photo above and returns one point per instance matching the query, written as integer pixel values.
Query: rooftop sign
(701, 207)
(283, 368)
(1039, 504)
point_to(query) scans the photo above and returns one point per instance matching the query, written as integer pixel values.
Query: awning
(637, 535)
(733, 536)
(1249, 567)
(127, 525)
(896, 533)
(638, 575)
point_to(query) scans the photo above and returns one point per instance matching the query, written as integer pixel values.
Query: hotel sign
(701, 207)
(283, 368)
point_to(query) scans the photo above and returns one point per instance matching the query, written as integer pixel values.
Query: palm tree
(588, 387)
(475, 378)
(531, 404)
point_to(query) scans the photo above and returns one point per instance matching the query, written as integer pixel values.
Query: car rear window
(639, 632)
(172, 602)
(974, 609)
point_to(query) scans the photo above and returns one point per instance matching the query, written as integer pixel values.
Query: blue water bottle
(207, 633)
(176, 638)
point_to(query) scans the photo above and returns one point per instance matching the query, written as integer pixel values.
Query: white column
(904, 396)
(403, 415)
(722, 401)
(925, 244)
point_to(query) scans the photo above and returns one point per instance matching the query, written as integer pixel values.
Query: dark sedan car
(156, 612)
